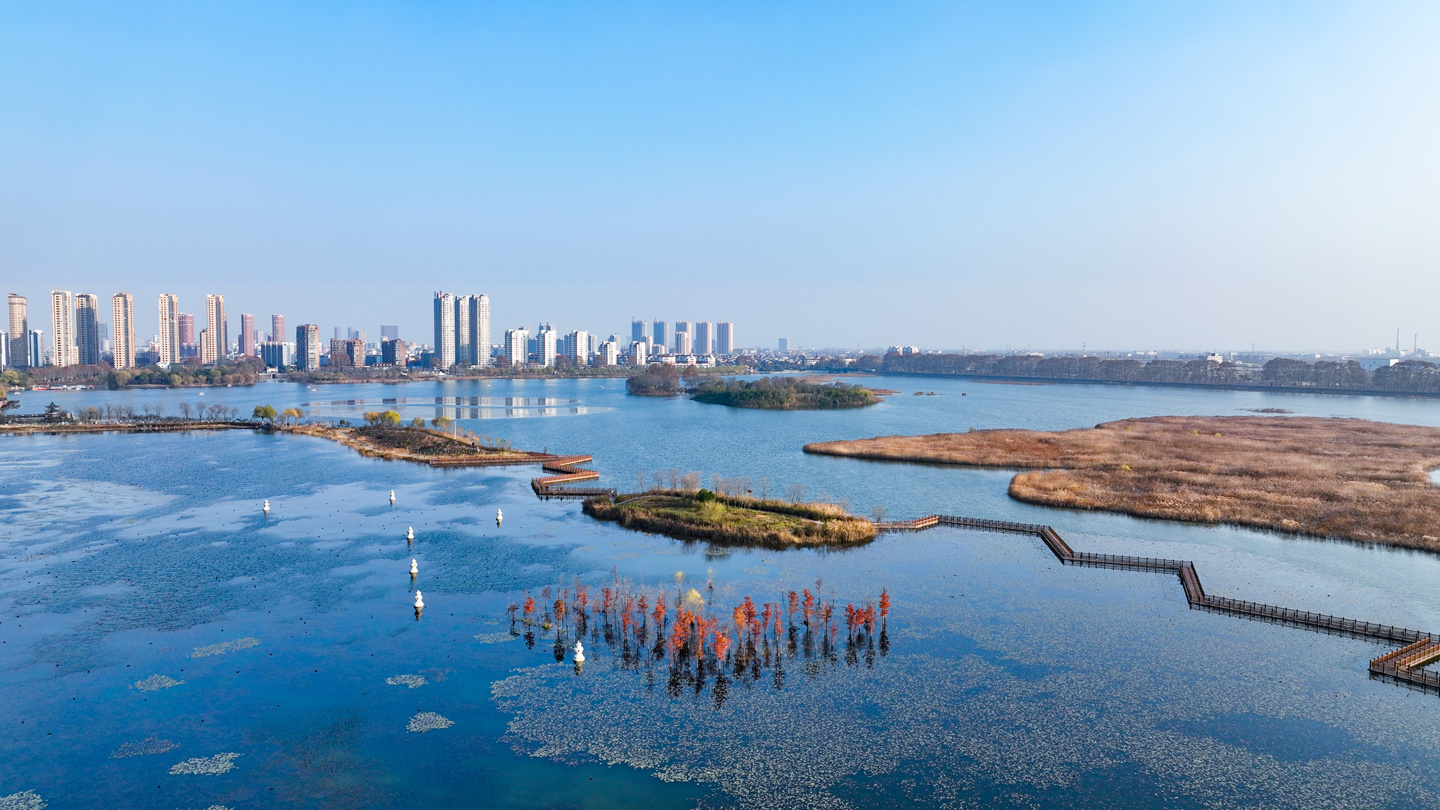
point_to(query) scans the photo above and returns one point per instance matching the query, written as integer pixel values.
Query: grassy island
(735, 520)
(780, 394)
(1343, 478)
(422, 445)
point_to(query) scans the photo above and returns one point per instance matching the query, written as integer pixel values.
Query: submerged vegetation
(687, 637)
(781, 394)
(1343, 478)
(733, 519)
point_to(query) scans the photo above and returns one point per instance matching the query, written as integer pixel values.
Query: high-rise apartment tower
(19, 332)
(63, 351)
(444, 356)
(704, 341)
(247, 335)
(215, 341)
(725, 338)
(122, 330)
(169, 329)
(87, 329)
(307, 347)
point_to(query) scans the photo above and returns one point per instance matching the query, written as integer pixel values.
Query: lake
(164, 643)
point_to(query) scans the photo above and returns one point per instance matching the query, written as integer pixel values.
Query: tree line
(1406, 376)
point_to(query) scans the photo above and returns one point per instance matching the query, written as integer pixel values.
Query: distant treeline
(1405, 377)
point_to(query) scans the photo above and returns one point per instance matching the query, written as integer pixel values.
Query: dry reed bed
(1342, 478)
(421, 444)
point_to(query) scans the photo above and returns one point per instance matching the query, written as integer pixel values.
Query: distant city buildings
(19, 332)
(63, 351)
(546, 343)
(347, 353)
(783, 344)
(169, 337)
(517, 347)
(87, 329)
(277, 328)
(704, 341)
(122, 329)
(660, 335)
(725, 338)
(277, 354)
(247, 335)
(393, 351)
(389, 333)
(307, 347)
(215, 338)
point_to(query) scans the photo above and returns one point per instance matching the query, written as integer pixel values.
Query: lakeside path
(1342, 478)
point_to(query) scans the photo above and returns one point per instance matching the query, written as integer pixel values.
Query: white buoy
(579, 653)
(410, 534)
(499, 516)
(392, 497)
(419, 603)
(414, 569)
(266, 507)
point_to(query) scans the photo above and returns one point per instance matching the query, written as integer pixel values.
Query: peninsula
(1343, 478)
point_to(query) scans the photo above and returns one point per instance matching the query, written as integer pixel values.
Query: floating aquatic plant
(411, 681)
(155, 683)
(493, 638)
(428, 721)
(205, 766)
(149, 745)
(225, 647)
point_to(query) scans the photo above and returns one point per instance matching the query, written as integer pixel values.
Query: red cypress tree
(884, 603)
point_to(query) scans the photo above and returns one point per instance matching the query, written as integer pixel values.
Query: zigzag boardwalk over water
(1403, 665)
(568, 470)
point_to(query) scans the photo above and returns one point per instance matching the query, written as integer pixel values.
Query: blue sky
(1123, 175)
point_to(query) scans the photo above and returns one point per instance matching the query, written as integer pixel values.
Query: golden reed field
(1344, 478)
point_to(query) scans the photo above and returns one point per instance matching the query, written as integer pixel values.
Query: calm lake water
(165, 644)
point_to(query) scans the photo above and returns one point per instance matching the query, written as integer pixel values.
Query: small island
(730, 519)
(1343, 478)
(781, 394)
(768, 393)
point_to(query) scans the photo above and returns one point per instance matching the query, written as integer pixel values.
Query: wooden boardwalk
(567, 470)
(1403, 665)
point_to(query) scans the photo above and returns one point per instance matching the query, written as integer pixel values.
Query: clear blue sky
(1198, 175)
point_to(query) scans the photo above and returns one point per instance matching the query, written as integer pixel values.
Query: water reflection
(687, 640)
(454, 407)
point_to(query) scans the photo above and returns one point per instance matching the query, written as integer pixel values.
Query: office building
(277, 328)
(725, 338)
(277, 354)
(215, 340)
(63, 351)
(517, 347)
(19, 332)
(389, 333)
(393, 351)
(444, 331)
(87, 329)
(307, 347)
(122, 330)
(660, 336)
(704, 340)
(247, 335)
(169, 343)
(33, 355)
(783, 344)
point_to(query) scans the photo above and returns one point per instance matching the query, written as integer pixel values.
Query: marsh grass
(734, 519)
(1342, 478)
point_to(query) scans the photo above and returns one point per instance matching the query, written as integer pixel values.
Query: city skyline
(1180, 176)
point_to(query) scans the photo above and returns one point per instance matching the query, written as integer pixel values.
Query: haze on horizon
(1122, 175)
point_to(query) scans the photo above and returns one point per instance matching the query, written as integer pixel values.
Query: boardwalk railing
(1403, 665)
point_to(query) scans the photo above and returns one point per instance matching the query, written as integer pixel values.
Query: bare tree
(639, 480)
(878, 513)
(659, 478)
(764, 489)
(674, 478)
(742, 485)
(797, 493)
(159, 410)
(185, 410)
